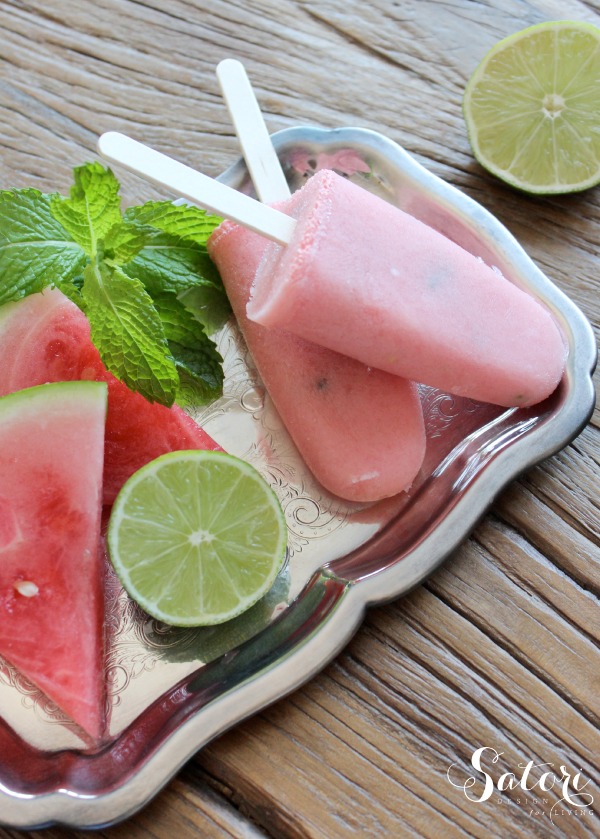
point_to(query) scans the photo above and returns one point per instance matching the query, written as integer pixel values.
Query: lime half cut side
(532, 108)
(197, 537)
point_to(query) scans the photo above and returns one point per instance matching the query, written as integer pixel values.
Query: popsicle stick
(260, 156)
(195, 187)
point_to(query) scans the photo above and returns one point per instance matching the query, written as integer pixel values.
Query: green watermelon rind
(77, 388)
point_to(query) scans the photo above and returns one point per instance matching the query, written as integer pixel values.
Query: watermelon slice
(51, 571)
(46, 338)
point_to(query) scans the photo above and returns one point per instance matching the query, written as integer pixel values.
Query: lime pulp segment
(532, 108)
(197, 537)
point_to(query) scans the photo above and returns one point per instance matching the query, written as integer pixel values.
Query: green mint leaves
(92, 209)
(34, 246)
(143, 278)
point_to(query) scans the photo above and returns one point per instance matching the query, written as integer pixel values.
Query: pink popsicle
(359, 430)
(365, 279)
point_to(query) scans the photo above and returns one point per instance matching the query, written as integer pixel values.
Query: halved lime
(197, 537)
(532, 108)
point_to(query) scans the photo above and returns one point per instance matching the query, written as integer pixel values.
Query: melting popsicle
(363, 278)
(359, 430)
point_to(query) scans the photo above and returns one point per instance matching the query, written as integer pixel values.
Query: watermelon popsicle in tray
(358, 429)
(171, 691)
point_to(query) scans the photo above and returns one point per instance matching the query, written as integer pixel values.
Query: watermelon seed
(26, 588)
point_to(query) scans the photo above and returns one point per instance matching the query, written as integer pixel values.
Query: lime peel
(197, 537)
(532, 108)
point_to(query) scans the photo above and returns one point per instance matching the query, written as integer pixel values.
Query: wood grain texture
(500, 647)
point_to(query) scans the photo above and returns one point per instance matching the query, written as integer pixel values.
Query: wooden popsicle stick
(260, 156)
(196, 187)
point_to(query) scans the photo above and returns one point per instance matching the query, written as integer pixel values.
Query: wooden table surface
(499, 648)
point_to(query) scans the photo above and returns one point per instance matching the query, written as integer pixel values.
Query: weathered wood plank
(559, 540)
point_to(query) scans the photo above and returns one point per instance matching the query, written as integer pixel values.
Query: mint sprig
(143, 278)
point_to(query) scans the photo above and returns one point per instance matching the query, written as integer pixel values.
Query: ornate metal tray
(173, 690)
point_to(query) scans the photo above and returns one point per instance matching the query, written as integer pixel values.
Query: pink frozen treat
(359, 430)
(366, 279)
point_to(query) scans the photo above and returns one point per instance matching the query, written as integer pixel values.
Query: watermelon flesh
(51, 571)
(46, 338)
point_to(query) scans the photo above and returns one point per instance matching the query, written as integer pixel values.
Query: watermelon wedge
(51, 570)
(46, 338)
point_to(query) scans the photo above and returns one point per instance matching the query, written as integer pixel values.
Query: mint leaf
(72, 290)
(92, 208)
(178, 324)
(175, 260)
(168, 263)
(35, 249)
(127, 330)
(183, 220)
(209, 305)
(198, 362)
(126, 239)
(200, 374)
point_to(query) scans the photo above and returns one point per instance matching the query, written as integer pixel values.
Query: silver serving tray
(173, 690)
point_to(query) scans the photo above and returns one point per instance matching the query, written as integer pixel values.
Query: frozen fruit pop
(364, 278)
(359, 430)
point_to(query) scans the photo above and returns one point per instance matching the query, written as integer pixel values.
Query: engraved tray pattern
(172, 690)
